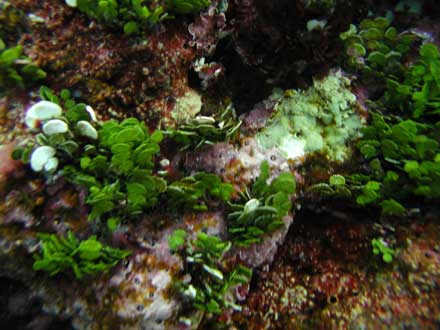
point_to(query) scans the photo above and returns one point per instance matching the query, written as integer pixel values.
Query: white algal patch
(41, 156)
(292, 147)
(41, 111)
(72, 3)
(161, 280)
(51, 165)
(91, 112)
(86, 129)
(55, 126)
(187, 106)
(320, 119)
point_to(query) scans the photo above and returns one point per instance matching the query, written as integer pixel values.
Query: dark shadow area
(19, 310)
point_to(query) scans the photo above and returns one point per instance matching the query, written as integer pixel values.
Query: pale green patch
(322, 118)
(187, 107)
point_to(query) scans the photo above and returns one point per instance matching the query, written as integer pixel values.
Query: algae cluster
(320, 119)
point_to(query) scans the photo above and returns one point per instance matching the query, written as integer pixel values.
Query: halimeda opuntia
(51, 164)
(55, 126)
(91, 112)
(41, 156)
(72, 3)
(41, 111)
(86, 129)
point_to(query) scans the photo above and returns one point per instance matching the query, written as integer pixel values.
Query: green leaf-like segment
(64, 254)
(263, 213)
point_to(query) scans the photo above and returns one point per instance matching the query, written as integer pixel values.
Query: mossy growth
(417, 92)
(136, 16)
(133, 16)
(401, 144)
(262, 209)
(206, 130)
(211, 283)
(87, 257)
(320, 119)
(116, 161)
(11, 21)
(186, 6)
(376, 49)
(192, 192)
(381, 248)
(16, 69)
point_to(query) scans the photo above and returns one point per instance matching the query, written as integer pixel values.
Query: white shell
(40, 157)
(42, 110)
(91, 112)
(51, 164)
(86, 129)
(72, 3)
(55, 126)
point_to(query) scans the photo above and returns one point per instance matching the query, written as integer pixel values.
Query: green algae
(320, 119)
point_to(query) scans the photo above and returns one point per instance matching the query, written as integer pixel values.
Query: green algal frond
(114, 160)
(16, 69)
(186, 6)
(192, 192)
(211, 283)
(63, 254)
(321, 119)
(263, 209)
(381, 248)
(133, 16)
(206, 130)
(376, 49)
